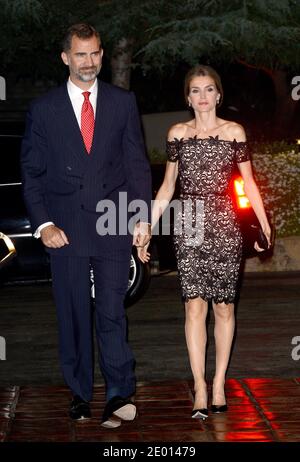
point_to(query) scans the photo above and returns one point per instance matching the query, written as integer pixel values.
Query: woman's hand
(267, 232)
(143, 253)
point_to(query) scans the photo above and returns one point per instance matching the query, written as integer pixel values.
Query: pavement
(260, 410)
(263, 380)
(265, 344)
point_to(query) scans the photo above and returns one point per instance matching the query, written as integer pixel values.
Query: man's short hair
(82, 31)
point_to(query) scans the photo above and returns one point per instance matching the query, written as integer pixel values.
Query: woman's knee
(223, 310)
(196, 308)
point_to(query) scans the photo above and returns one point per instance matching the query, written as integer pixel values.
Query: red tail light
(241, 198)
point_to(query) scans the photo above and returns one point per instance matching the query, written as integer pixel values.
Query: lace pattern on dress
(172, 150)
(242, 152)
(208, 269)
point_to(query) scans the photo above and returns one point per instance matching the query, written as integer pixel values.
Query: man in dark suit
(83, 145)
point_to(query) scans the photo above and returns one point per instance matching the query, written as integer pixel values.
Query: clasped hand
(141, 234)
(143, 253)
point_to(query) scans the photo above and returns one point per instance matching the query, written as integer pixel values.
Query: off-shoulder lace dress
(207, 236)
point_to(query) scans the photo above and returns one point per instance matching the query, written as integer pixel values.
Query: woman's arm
(164, 194)
(250, 186)
(161, 202)
(253, 194)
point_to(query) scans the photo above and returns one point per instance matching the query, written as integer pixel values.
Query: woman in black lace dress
(203, 153)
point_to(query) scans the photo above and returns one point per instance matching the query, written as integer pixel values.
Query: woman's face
(203, 94)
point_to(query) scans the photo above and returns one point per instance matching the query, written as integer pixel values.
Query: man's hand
(141, 234)
(53, 237)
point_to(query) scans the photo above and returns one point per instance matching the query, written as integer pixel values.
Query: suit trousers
(75, 313)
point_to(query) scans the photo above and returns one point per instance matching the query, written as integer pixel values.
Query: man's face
(84, 59)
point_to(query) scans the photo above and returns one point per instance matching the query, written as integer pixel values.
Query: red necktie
(87, 121)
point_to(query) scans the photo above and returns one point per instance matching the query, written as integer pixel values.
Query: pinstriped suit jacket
(63, 184)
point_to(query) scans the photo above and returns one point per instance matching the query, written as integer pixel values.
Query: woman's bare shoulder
(177, 131)
(235, 131)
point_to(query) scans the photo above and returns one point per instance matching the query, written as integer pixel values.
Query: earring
(190, 104)
(218, 100)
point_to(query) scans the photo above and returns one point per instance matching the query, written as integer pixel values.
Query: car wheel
(139, 279)
(138, 282)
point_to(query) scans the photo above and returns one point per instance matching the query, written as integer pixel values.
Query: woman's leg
(196, 336)
(224, 331)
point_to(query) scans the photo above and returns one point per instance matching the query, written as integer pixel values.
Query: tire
(139, 279)
(138, 283)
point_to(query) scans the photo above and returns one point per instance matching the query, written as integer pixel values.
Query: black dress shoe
(79, 409)
(117, 409)
(217, 409)
(200, 413)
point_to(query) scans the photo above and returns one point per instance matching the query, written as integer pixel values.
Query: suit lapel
(103, 123)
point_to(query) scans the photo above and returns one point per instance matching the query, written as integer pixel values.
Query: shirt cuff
(37, 232)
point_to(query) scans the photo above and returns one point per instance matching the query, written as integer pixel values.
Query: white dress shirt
(77, 99)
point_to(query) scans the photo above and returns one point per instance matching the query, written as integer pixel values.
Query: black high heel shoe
(218, 409)
(200, 413)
